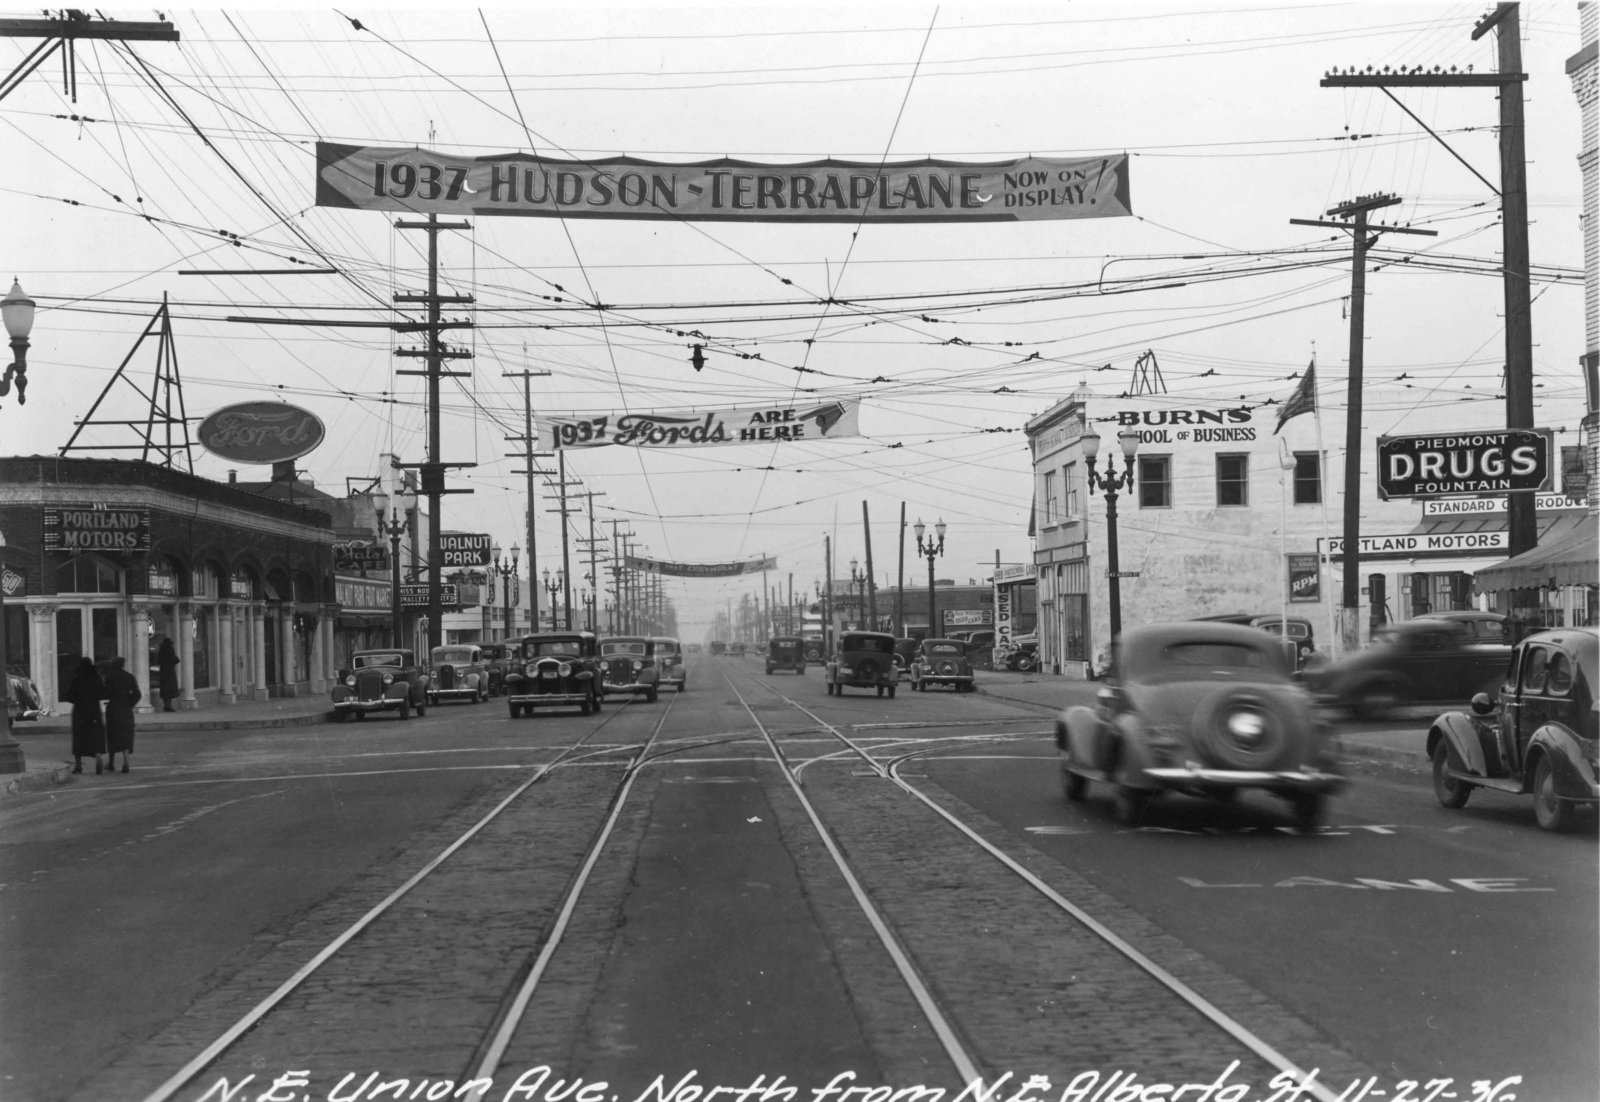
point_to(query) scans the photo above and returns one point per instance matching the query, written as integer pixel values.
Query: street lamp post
(931, 549)
(1109, 483)
(16, 310)
(859, 579)
(552, 586)
(507, 570)
(394, 526)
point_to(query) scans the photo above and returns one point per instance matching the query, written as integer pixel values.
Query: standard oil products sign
(72, 529)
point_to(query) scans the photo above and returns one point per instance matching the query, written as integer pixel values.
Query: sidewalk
(45, 741)
(1403, 746)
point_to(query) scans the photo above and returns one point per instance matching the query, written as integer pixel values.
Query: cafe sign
(358, 556)
(261, 432)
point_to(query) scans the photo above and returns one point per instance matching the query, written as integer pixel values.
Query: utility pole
(432, 470)
(594, 566)
(561, 485)
(1350, 627)
(528, 441)
(1522, 528)
(63, 34)
(900, 580)
(871, 611)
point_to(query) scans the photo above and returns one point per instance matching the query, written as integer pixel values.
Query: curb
(151, 726)
(38, 780)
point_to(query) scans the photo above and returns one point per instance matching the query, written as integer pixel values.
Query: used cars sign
(261, 432)
(1453, 464)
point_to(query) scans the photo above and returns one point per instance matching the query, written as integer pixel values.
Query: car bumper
(947, 679)
(463, 693)
(547, 700)
(631, 687)
(1290, 780)
(366, 705)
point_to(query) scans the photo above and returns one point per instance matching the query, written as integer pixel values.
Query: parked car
(1203, 708)
(694, 648)
(736, 650)
(669, 664)
(495, 657)
(813, 647)
(1490, 627)
(385, 679)
(557, 669)
(1024, 656)
(941, 662)
(23, 702)
(1410, 661)
(718, 648)
(1538, 734)
(628, 665)
(786, 652)
(904, 648)
(459, 673)
(865, 660)
(1296, 632)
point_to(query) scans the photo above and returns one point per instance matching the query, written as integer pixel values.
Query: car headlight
(565, 669)
(637, 665)
(388, 679)
(351, 681)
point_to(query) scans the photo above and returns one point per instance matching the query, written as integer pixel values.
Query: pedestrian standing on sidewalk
(84, 693)
(167, 663)
(122, 693)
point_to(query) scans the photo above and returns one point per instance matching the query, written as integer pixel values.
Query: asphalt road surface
(759, 887)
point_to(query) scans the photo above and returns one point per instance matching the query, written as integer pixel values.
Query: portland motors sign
(261, 432)
(1461, 463)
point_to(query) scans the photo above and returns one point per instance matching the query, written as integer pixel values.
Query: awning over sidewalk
(1568, 554)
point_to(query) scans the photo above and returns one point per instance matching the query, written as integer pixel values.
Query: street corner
(37, 777)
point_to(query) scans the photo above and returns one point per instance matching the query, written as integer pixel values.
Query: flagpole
(1325, 560)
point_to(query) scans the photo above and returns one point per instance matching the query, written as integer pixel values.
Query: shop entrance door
(96, 632)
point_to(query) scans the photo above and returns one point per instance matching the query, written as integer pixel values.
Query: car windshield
(953, 649)
(362, 661)
(453, 654)
(1204, 659)
(869, 643)
(666, 647)
(560, 648)
(621, 648)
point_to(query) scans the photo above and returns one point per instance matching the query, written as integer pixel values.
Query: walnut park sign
(1459, 463)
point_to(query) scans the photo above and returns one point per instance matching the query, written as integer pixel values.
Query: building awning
(1568, 554)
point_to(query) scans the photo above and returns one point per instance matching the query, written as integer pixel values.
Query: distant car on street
(669, 664)
(865, 660)
(1202, 708)
(786, 652)
(379, 680)
(941, 662)
(459, 673)
(1538, 734)
(495, 656)
(1408, 662)
(628, 665)
(556, 669)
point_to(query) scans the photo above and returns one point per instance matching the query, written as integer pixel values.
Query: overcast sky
(196, 156)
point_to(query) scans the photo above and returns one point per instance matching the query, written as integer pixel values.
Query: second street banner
(808, 422)
(698, 569)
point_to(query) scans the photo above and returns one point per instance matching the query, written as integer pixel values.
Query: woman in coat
(84, 693)
(122, 693)
(167, 663)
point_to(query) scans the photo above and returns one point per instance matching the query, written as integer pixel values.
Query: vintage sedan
(941, 662)
(628, 665)
(385, 679)
(556, 669)
(1207, 709)
(22, 699)
(670, 668)
(865, 660)
(1411, 661)
(1537, 735)
(786, 652)
(459, 673)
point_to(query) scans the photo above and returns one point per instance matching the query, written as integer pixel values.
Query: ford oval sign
(261, 432)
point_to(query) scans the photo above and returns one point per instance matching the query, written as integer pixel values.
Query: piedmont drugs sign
(1457, 463)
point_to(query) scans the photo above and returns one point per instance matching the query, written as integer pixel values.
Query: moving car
(628, 665)
(557, 669)
(1537, 735)
(495, 656)
(379, 680)
(1491, 627)
(459, 673)
(669, 664)
(1203, 708)
(1296, 632)
(786, 652)
(1410, 661)
(941, 662)
(865, 660)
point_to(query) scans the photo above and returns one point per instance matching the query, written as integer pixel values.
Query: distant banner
(804, 422)
(422, 181)
(698, 569)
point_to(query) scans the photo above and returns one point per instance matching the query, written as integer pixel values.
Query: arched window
(88, 574)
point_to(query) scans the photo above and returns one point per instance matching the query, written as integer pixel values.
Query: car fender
(1573, 775)
(1462, 742)
(1081, 732)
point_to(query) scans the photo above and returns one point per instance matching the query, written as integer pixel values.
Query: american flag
(1303, 400)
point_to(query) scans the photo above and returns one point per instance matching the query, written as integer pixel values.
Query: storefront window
(88, 574)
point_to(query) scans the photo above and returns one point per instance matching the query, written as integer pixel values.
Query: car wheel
(1376, 701)
(1132, 803)
(880, 690)
(1552, 812)
(651, 696)
(1310, 811)
(405, 708)
(513, 708)
(1074, 786)
(891, 692)
(1451, 792)
(421, 711)
(583, 708)
(340, 717)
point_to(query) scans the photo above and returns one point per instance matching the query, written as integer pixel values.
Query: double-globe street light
(858, 578)
(16, 309)
(552, 586)
(394, 526)
(1109, 483)
(930, 550)
(507, 570)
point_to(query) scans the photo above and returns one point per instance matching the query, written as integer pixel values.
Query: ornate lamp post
(507, 570)
(859, 579)
(930, 550)
(1109, 483)
(552, 586)
(394, 527)
(16, 309)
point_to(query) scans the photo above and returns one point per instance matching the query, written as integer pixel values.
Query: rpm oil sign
(1453, 464)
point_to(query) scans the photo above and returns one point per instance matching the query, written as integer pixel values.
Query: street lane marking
(1486, 884)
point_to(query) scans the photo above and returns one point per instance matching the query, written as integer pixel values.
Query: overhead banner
(697, 569)
(423, 181)
(807, 422)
